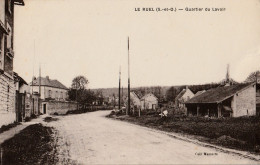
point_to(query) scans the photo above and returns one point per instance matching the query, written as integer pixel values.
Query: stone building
(182, 97)
(149, 101)
(7, 84)
(227, 101)
(50, 89)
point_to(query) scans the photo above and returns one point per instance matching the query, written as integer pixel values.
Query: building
(149, 101)
(7, 84)
(227, 101)
(50, 89)
(182, 97)
(135, 99)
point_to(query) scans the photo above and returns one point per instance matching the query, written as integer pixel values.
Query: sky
(89, 37)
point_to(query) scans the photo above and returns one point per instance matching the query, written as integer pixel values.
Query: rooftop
(219, 94)
(45, 81)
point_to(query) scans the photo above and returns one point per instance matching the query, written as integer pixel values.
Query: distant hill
(110, 91)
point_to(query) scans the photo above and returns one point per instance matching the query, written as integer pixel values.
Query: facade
(50, 89)
(228, 101)
(149, 101)
(182, 97)
(135, 99)
(7, 83)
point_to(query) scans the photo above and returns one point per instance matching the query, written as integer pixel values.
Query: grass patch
(9, 126)
(241, 133)
(50, 119)
(33, 145)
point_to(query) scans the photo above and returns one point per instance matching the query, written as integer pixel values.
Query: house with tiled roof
(227, 101)
(50, 89)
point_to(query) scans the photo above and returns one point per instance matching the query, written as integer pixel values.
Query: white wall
(2, 11)
(245, 102)
(148, 101)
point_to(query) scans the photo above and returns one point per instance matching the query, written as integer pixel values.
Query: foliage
(252, 76)
(79, 83)
(171, 93)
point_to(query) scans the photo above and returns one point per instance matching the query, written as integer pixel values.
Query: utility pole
(39, 101)
(119, 99)
(128, 109)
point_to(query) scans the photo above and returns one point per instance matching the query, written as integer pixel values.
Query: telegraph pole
(119, 99)
(39, 101)
(128, 109)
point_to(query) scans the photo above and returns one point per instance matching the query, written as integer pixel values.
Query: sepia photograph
(129, 82)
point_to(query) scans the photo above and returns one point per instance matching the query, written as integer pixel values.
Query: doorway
(44, 108)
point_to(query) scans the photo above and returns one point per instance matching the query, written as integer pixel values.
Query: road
(93, 139)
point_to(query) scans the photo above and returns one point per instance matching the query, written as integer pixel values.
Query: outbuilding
(228, 101)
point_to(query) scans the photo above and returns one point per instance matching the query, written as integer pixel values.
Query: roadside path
(15, 130)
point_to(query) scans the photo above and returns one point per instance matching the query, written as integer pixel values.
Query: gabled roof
(219, 94)
(199, 92)
(138, 94)
(181, 93)
(45, 81)
(147, 95)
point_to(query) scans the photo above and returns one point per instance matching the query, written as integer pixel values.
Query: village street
(91, 138)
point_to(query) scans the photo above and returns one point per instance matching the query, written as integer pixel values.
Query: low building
(228, 101)
(149, 101)
(182, 97)
(135, 99)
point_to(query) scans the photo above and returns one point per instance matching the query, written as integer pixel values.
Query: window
(49, 93)
(61, 95)
(1, 51)
(9, 37)
(8, 60)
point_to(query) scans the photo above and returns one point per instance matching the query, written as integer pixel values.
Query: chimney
(47, 77)
(186, 87)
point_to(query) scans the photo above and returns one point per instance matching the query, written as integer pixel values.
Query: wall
(2, 11)
(187, 95)
(135, 99)
(7, 100)
(149, 100)
(60, 107)
(245, 101)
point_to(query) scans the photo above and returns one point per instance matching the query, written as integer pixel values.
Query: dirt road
(93, 139)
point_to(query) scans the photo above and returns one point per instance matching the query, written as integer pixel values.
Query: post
(128, 109)
(219, 110)
(119, 99)
(39, 103)
(198, 108)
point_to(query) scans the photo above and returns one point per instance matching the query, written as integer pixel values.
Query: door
(44, 108)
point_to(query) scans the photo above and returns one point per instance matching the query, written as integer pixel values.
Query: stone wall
(7, 100)
(245, 102)
(59, 107)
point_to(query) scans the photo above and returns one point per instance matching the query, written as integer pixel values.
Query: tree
(79, 93)
(79, 82)
(171, 93)
(252, 76)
